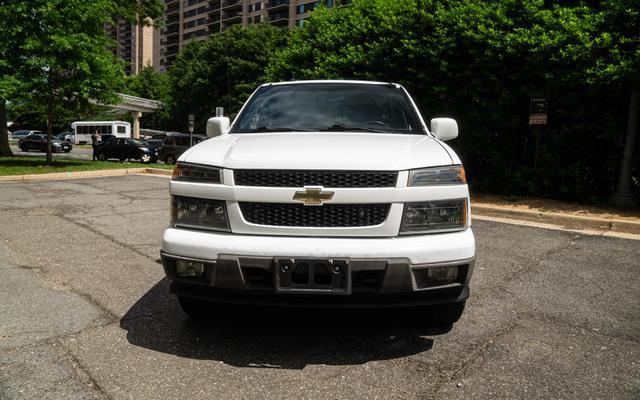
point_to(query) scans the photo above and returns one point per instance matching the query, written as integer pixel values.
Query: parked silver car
(21, 134)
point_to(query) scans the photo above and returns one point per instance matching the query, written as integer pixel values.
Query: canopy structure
(137, 106)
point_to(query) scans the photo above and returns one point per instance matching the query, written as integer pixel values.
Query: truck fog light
(189, 268)
(442, 275)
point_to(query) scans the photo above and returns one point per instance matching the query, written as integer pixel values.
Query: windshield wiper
(271, 129)
(345, 128)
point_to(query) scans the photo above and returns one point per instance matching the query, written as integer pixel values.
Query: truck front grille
(328, 179)
(326, 216)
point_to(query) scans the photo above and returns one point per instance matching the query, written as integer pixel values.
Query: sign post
(537, 117)
(538, 112)
(192, 121)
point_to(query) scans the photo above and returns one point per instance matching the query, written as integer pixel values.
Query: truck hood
(304, 150)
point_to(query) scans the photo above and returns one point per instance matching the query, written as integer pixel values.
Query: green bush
(481, 63)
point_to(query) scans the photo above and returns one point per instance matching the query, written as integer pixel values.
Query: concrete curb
(568, 221)
(85, 174)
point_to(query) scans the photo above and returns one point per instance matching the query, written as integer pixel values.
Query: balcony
(230, 23)
(171, 10)
(279, 19)
(278, 5)
(232, 16)
(214, 14)
(214, 27)
(172, 20)
(231, 4)
(170, 33)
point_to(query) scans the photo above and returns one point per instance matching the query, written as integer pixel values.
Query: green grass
(37, 165)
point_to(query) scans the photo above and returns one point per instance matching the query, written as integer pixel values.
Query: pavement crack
(479, 352)
(107, 237)
(546, 318)
(84, 374)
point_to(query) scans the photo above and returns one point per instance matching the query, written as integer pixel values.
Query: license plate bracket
(312, 275)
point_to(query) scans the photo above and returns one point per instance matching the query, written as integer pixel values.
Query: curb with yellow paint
(85, 174)
(569, 221)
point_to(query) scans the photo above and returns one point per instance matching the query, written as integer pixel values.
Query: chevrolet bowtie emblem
(313, 196)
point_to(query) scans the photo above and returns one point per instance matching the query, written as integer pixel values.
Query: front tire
(101, 157)
(170, 160)
(196, 309)
(446, 314)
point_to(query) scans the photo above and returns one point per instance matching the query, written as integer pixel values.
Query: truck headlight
(429, 216)
(448, 175)
(192, 212)
(197, 173)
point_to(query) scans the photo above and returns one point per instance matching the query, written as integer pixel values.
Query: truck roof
(330, 81)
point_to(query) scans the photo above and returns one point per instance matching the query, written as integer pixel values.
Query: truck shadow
(276, 338)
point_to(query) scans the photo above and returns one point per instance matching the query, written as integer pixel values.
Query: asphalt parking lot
(85, 313)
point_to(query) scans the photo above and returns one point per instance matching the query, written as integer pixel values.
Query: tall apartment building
(187, 20)
(135, 45)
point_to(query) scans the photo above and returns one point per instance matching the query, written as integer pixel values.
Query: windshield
(329, 107)
(139, 142)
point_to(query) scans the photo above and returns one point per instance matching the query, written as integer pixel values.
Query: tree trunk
(624, 197)
(5, 150)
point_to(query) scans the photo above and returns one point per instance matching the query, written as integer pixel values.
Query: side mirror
(444, 128)
(217, 126)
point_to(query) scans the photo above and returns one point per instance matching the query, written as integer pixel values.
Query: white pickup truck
(322, 194)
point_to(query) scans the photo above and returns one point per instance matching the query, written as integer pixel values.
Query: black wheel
(24, 148)
(122, 158)
(196, 309)
(101, 157)
(170, 159)
(446, 314)
(67, 150)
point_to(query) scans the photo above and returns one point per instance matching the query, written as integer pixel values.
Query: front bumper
(383, 272)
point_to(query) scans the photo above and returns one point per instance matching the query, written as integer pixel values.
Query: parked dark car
(156, 140)
(61, 136)
(106, 137)
(38, 141)
(126, 149)
(175, 144)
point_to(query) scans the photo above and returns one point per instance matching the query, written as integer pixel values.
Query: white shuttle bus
(81, 131)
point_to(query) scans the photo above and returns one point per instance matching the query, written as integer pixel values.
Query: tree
(221, 71)
(155, 86)
(482, 62)
(58, 52)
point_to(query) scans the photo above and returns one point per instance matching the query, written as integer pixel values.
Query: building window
(256, 19)
(188, 3)
(300, 22)
(196, 11)
(304, 8)
(256, 7)
(195, 22)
